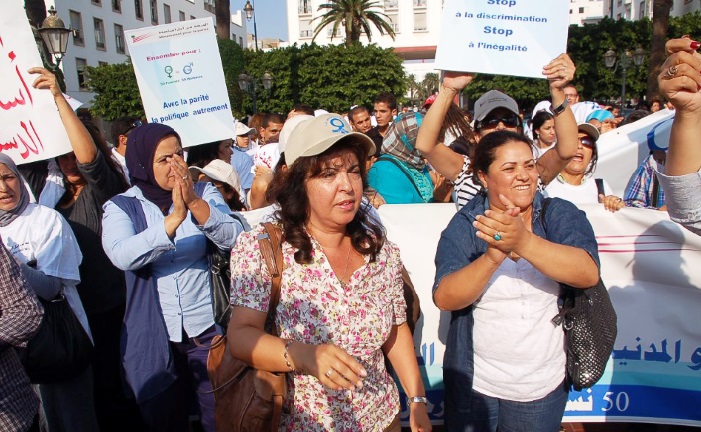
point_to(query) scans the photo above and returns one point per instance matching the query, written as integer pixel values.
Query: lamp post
(55, 35)
(251, 13)
(624, 61)
(248, 84)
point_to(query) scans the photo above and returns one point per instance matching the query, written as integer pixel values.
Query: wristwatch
(416, 399)
(560, 108)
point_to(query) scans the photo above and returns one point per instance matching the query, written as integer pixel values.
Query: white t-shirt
(518, 353)
(42, 234)
(585, 193)
(267, 155)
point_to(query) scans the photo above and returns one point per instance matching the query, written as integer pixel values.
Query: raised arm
(81, 141)
(559, 73)
(444, 160)
(680, 83)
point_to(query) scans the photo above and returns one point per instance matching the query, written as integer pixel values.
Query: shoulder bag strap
(600, 186)
(655, 192)
(271, 249)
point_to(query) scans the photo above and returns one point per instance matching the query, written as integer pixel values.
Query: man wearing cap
(240, 160)
(602, 120)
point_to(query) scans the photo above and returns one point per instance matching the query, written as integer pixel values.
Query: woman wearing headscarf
(90, 177)
(400, 174)
(157, 232)
(341, 300)
(43, 244)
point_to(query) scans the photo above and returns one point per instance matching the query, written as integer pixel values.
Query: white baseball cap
(288, 127)
(314, 136)
(220, 171)
(242, 129)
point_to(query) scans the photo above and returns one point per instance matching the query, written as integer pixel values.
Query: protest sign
(502, 37)
(181, 79)
(30, 126)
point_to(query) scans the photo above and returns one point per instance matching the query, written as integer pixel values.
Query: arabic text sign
(30, 127)
(502, 37)
(181, 79)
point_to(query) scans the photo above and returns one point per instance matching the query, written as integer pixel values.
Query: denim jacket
(457, 248)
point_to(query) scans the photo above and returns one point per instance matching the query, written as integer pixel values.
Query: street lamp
(248, 84)
(625, 61)
(251, 13)
(55, 35)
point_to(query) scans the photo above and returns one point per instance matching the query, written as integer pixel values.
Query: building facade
(586, 11)
(634, 10)
(100, 25)
(415, 22)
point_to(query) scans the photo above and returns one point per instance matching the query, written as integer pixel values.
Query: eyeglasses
(587, 142)
(509, 120)
(133, 126)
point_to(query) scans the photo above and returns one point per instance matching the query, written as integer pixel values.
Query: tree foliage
(356, 16)
(116, 91)
(331, 77)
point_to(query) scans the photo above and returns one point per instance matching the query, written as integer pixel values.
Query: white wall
(589, 9)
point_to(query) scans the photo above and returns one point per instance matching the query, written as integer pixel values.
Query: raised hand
(560, 71)
(457, 80)
(679, 79)
(46, 80)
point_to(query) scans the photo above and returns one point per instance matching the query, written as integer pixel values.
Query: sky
(271, 17)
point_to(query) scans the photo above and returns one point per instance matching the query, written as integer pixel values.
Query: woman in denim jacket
(497, 271)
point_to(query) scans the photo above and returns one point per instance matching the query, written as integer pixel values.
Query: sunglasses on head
(133, 126)
(587, 142)
(509, 120)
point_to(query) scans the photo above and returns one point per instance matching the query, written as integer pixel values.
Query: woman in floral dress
(341, 302)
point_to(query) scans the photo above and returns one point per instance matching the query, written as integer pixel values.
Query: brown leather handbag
(247, 399)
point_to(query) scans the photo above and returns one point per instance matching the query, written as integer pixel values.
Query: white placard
(502, 37)
(181, 79)
(30, 127)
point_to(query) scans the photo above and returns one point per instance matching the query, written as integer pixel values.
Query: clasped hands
(504, 231)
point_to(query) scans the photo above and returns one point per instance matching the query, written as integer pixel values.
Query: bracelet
(287, 356)
(416, 399)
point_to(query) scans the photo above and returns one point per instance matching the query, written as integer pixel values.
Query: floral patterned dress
(315, 308)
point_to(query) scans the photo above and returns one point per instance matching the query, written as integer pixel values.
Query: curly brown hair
(288, 189)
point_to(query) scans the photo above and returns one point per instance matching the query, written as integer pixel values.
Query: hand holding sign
(560, 71)
(457, 80)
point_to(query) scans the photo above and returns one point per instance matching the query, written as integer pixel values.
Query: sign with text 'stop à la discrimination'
(181, 80)
(30, 126)
(502, 37)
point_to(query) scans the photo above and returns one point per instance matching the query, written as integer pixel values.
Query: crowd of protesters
(123, 233)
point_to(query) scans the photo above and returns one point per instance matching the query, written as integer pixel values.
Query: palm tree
(356, 16)
(430, 84)
(660, 21)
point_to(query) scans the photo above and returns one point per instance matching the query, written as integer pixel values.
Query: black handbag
(590, 323)
(61, 349)
(220, 284)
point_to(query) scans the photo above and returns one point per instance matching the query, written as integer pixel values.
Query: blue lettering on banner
(498, 31)
(507, 3)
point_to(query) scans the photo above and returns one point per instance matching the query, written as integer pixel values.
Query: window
(305, 29)
(117, 6)
(393, 21)
(77, 25)
(192, 17)
(119, 38)
(99, 33)
(166, 14)
(241, 42)
(139, 8)
(391, 4)
(102, 63)
(420, 23)
(581, 10)
(209, 5)
(154, 11)
(181, 16)
(96, 2)
(305, 7)
(80, 65)
(419, 3)
(641, 14)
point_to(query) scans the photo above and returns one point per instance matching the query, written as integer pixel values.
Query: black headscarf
(141, 149)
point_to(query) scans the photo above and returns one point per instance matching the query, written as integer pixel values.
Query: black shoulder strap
(546, 203)
(600, 186)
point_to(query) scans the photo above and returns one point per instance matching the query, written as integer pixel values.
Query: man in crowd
(359, 119)
(385, 111)
(571, 94)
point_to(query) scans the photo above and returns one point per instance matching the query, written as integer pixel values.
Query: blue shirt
(179, 265)
(458, 247)
(395, 185)
(243, 163)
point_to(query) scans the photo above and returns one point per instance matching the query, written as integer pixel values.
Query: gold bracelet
(287, 355)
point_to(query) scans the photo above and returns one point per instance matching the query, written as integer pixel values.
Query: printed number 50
(621, 402)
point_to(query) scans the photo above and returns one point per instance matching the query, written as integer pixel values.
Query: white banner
(30, 127)
(502, 37)
(181, 79)
(650, 266)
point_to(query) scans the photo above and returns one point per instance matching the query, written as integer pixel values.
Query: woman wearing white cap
(341, 299)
